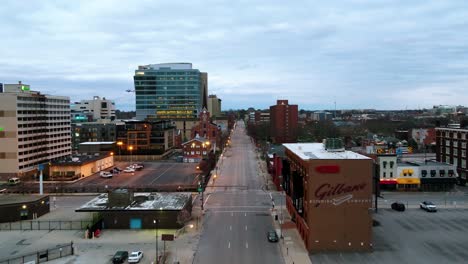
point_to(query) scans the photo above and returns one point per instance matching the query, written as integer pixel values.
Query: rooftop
(142, 201)
(98, 143)
(422, 163)
(19, 198)
(310, 151)
(79, 159)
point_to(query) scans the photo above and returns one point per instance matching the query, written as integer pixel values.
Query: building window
(384, 174)
(442, 173)
(391, 164)
(391, 174)
(463, 164)
(447, 150)
(455, 152)
(463, 144)
(384, 164)
(447, 142)
(450, 173)
(463, 153)
(433, 173)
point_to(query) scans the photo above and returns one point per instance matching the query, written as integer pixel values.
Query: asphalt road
(237, 210)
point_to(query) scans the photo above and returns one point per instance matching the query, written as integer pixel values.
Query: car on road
(272, 236)
(428, 206)
(105, 174)
(14, 181)
(129, 170)
(120, 257)
(135, 257)
(398, 206)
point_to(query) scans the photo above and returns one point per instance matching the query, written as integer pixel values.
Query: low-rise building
(123, 209)
(451, 147)
(196, 149)
(387, 171)
(15, 207)
(329, 194)
(78, 166)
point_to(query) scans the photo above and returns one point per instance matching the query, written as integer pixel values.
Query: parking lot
(415, 236)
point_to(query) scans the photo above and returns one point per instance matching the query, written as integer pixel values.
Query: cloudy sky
(360, 53)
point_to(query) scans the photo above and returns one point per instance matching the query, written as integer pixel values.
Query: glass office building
(170, 91)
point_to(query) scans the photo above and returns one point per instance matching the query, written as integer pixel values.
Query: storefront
(388, 184)
(408, 184)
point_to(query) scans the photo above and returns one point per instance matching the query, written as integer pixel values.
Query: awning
(388, 182)
(409, 181)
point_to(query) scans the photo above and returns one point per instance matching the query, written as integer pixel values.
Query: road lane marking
(230, 227)
(246, 245)
(229, 244)
(206, 200)
(162, 174)
(232, 214)
(245, 214)
(245, 228)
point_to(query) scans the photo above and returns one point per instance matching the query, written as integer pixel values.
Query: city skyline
(359, 54)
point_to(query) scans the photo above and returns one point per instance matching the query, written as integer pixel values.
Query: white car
(135, 257)
(428, 206)
(129, 169)
(105, 174)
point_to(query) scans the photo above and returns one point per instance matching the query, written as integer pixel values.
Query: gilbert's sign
(336, 194)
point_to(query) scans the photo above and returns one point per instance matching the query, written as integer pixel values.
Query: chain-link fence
(42, 255)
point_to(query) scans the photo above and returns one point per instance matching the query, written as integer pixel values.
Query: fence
(42, 255)
(45, 225)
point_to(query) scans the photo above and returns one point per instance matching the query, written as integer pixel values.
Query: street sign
(41, 167)
(200, 189)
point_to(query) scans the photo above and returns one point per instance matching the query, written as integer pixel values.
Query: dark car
(120, 257)
(272, 236)
(398, 206)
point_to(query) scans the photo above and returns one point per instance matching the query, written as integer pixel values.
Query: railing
(45, 225)
(42, 255)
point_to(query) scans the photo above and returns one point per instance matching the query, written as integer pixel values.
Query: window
(391, 164)
(384, 164)
(463, 164)
(463, 153)
(447, 142)
(391, 174)
(447, 150)
(463, 144)
(455, 152)
(433, 173)
(450, 173)
(442, 173)
(384, 174)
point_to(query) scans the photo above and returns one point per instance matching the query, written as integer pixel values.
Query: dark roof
(6, 199)
(79, 160)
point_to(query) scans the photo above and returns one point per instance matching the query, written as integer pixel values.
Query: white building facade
(100, 108)
(34, 129)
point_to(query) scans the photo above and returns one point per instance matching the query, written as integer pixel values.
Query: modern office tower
(34, 129)
(170, 91)
(283, 122)
(214, 105)
(98, 108)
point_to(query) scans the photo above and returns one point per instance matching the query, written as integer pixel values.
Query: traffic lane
(213, 246)
(413, 236)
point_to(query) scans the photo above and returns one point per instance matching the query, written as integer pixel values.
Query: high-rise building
(34, 129)
(98, 108)
(214, 105)
(283, 122)
(170, 91)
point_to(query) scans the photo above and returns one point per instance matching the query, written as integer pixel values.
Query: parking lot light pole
(120, 143)
(131, 153)
(156, 222)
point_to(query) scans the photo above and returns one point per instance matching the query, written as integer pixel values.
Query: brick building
(451, 148)
(329, 194)
(196, 149)
(206, 129)
(283, 122)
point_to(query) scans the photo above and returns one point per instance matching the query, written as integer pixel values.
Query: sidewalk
(185, 244)
(292, 246)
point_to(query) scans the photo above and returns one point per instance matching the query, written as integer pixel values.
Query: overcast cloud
(360, 53)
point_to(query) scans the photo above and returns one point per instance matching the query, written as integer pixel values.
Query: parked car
(398, 206)
(120, 257)
(105, 174)
(129, 170)
(428, 206)
(137, 166)
(135, 257)
(14, 181)
(272, 236)
(117, 169)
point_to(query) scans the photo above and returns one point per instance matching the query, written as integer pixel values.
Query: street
(237, 210)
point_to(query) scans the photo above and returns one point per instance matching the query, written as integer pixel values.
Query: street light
(120, 143)
(131, 153)
(156, 222)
